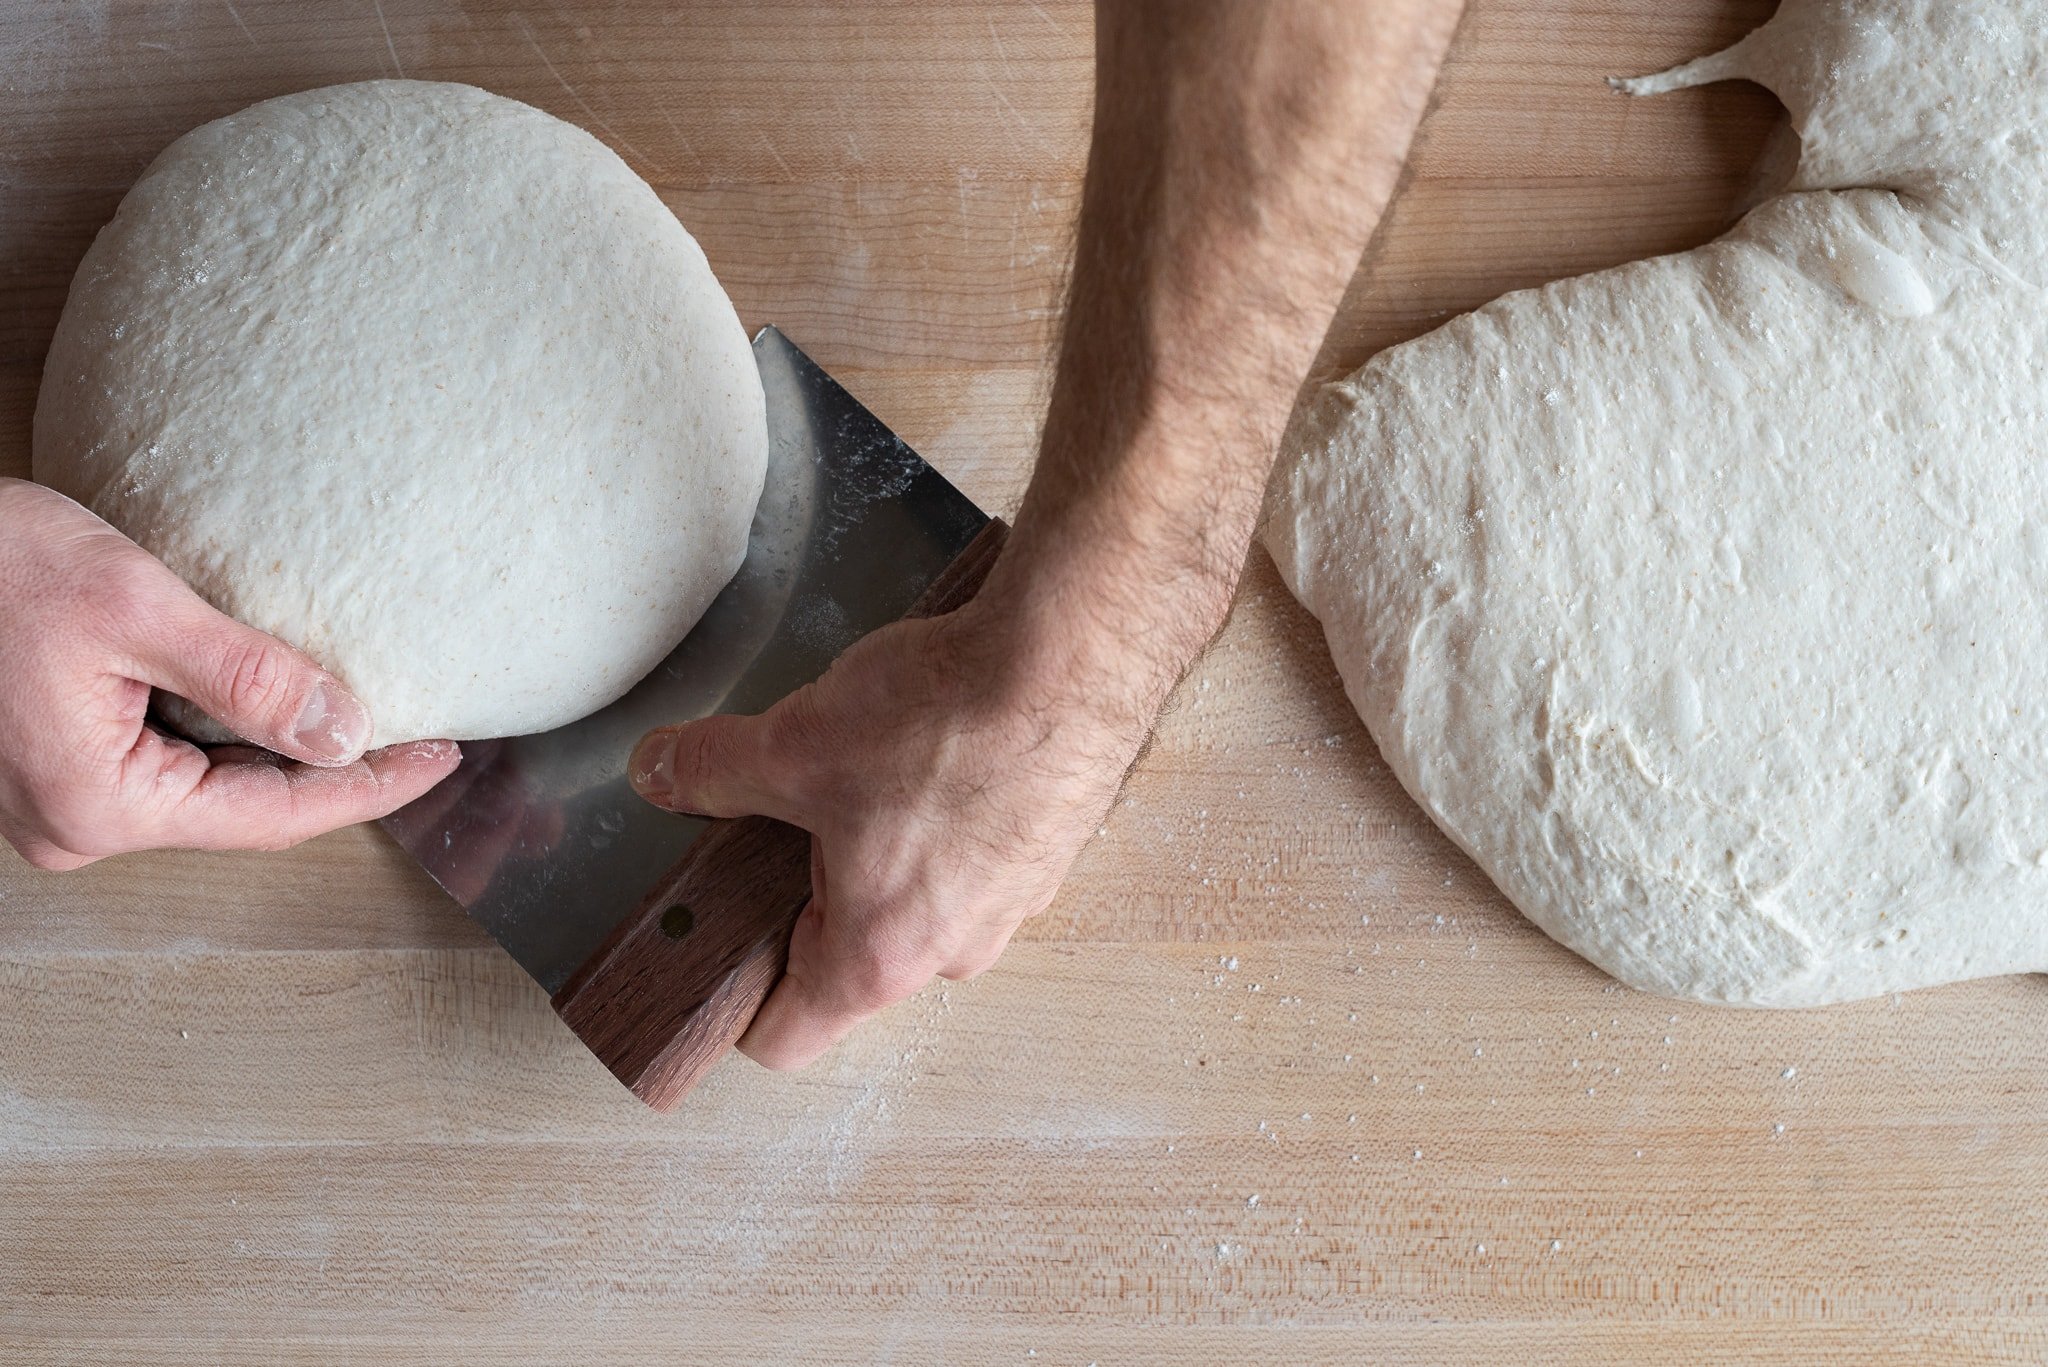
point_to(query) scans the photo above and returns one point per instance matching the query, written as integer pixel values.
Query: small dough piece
(423, 381)
(1701, 601)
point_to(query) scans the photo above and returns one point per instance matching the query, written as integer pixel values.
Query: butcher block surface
(1279, 1079)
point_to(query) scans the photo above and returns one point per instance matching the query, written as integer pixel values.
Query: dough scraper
(659, 935)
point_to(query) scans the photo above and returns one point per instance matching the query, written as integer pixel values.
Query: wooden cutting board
(1279, 1079)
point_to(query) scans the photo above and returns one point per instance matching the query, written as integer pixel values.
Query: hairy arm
(1241, 158)
(950, 770)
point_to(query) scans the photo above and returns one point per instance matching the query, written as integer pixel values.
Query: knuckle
(256, 678)
(269, 836)
(878, 978)
(795, 721)
(278, 816)
(798, 737)
(970, 966)
(701, 750)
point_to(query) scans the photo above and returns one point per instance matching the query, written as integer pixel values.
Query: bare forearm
(1242, 154)
(951, 768)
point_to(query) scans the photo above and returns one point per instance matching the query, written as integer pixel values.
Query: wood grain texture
(296, 1109)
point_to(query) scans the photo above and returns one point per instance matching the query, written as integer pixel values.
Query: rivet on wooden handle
(678, 981)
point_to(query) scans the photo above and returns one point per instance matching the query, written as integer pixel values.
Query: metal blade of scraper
(601, 897)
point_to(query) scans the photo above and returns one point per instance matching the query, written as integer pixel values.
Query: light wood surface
(1278, 1079)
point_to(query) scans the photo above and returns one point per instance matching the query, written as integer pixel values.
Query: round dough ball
(427, 383)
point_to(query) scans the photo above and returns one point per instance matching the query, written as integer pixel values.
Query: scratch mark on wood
(236, 15)
(526, 31)
(1002, 53)
(389, 46)
(689, 147)
(1016, 124)
(776, 153)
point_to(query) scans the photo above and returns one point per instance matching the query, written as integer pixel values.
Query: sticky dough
(1702, 601)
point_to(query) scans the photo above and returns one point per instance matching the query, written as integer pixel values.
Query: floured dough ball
(427, 383)
(1702, 600)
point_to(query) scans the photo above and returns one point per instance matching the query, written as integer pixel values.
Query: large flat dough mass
(427, 383)
(1702, 601)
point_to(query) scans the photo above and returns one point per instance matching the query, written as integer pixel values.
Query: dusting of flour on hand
(1700, 600)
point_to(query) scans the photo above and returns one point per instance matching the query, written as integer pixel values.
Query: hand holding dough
(89, 624)
(425, 382)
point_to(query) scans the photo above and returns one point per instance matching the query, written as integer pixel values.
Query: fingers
(719, 766)
(827, 990)
(501, 817)
(799, 1021)
(849, 962)
(835, 980)
(253, 684)
(477, 781)
(95, 624)
(259, 805)
(174, 795)
(815, 1006)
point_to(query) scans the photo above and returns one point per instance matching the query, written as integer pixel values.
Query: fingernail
(332, 725)
(652, 768)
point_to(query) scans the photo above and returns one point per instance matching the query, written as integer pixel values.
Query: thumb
(719, 766)
(252, 683)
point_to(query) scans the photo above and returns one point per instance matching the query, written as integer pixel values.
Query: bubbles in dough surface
(1700, 600)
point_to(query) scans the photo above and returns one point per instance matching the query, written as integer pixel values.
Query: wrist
(1078, 619)
(1140, 549)
(1128, 548)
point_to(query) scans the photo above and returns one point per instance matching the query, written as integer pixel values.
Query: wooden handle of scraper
(679, 980)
